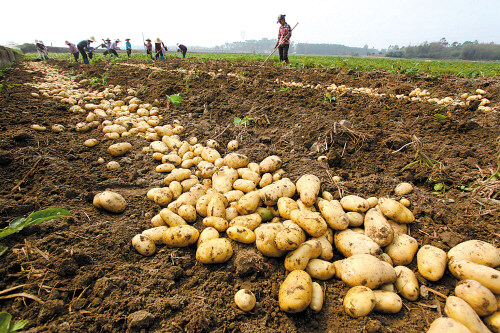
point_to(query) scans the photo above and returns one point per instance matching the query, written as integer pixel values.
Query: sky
(354, 23)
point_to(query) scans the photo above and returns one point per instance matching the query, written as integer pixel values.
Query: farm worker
(160, 49)
(284, 35)
(128, 46)
(182, 49)
(149, 47)
(106, 44)
(84, 47)
(42, 50)
(73, 50)
(113, 47)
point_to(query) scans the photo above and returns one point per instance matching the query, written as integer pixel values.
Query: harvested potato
(235, 160)
(241, 234)
(431, 262)
(111, 201)
(402, 249)
(317, 297)
(157, 221)
(155, 234)
(231, 213)
(119, 149)
(248, 203)
(493, 322)
(355, 219)
(177, 175)
(188, 213)
(160, 195)
(359, 301)
(403, 189)
(232, 145)
(171, 219)
(406, 283)
(202, 203)
(264, 239)
(270, 194)
(245, 299)
(320, 269)
(90, 142)
(244, 185)
(308, 187)
(266, 180)
(378, 228)
(354, 203)
(299, 258)
(295, 293)
(265, 213)
(219, 223)
(286, 206)
(399, 228)
(405, 202)
(447, 325)
(476, 251)
(270, 164)
(290, 237)
(349, 243)
(327, 196)
(176, 189)
(366, 270)
(480, 298)
(311, 222)
(214, 251)
(251, 221)
(207, 234)
(372, 201)
(387, 302)
(144, 245)
(180, 236)
(233, 195)
(217, 206)
(326, 247)
(251, 175)
(210, 154)
(395, 211)
(334, 214)
(487, 276)
(459, 310)
(113, 165)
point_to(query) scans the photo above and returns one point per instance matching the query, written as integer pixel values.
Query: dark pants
(184, 53)
(283, 50)
(106, 53)
(159, 54)
(128, 53)
(84, 55)
(113, 52)
(76, 55)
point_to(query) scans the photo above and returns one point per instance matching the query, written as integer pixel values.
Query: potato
(320, 269)
(177, 175)
(248, 203)
(251, 221)
(372, 201)
(111, 201)
(232, 145)
(354, 203)
(119, 149)
(144, 245)
(349, 243)
(317, 297)
(245, 299)
(266, 180)
(157, 221)
(264, 239)
(217, 206)
(210, 154)
(395, 211)
(431, 262)
(171, 218)
(459, 310)
(405, 202)
(244, 185)
(270, 164)
(447, 325)
(299, 258)
(355, 219)
(476, 251)
(223, 179)
(235, 160)
(265, 213)
(90, 142)
(202, 203)
(359, 301)
(290, 237)
(214, 251)
(308, 187)
(493, 322)
(327, 196)
(403, 189)
(303, 206)
(295, 293)
(487, 276)
(480, 298)
(180, 236)
(241, 234)
(311, 222)
(176, 189)
(326, 247)
(285, 206)
(271, 193)
(366, 270)
(387, 302)
(160, 195)
(377, 227)
(399, 228)
(234, 195)
(402, 249)
(334, 214)
(155, 234)
(219, 223)
(188, 213)
(207, 234)
(113, 165)
(231, 213)
(207, 169)
(251, 175)
(406, 283)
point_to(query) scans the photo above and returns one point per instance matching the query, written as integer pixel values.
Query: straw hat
(158, 40)
(148, 40)
(66, 42)
(118, 40)
(127, 38)
(36, 41)
(108, 40)
(92, 39)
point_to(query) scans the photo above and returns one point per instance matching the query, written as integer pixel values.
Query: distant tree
(443, 42)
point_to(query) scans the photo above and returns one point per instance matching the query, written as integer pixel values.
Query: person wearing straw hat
(183, 49)
(106, 44)
(283, 43)
(149, 47)
(113, 47)
(84, 47)
(160, 49)
(42, 50)
(128, 46)
(73, 50)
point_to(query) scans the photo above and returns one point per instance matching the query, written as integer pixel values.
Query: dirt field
(88, 277)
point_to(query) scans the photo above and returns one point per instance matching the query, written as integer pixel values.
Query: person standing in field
(73, 50)
(149, 47)
(285, 32)
(128, 46)
(160, 49)
(112, 47)
(106, 44)
(84, 47)
(182, 49)
(41, 49)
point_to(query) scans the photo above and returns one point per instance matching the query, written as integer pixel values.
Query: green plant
(285, 89)
(176, 100)
(97, 82)
(465, 188)
(19, 223)
(6, 326)
(8, 86)
(328, 97)
(246, 121)
(440, 188)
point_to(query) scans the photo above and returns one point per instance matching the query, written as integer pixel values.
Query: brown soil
(89, 278)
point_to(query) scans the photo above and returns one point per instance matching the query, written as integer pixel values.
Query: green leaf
(5, 319)
(18, 325)
(438, 187)
(3, 249)
(440, 116)
(38, 217)
(176, 100)
(237, 121)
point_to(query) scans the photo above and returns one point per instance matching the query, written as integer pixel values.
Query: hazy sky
(213, 22)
